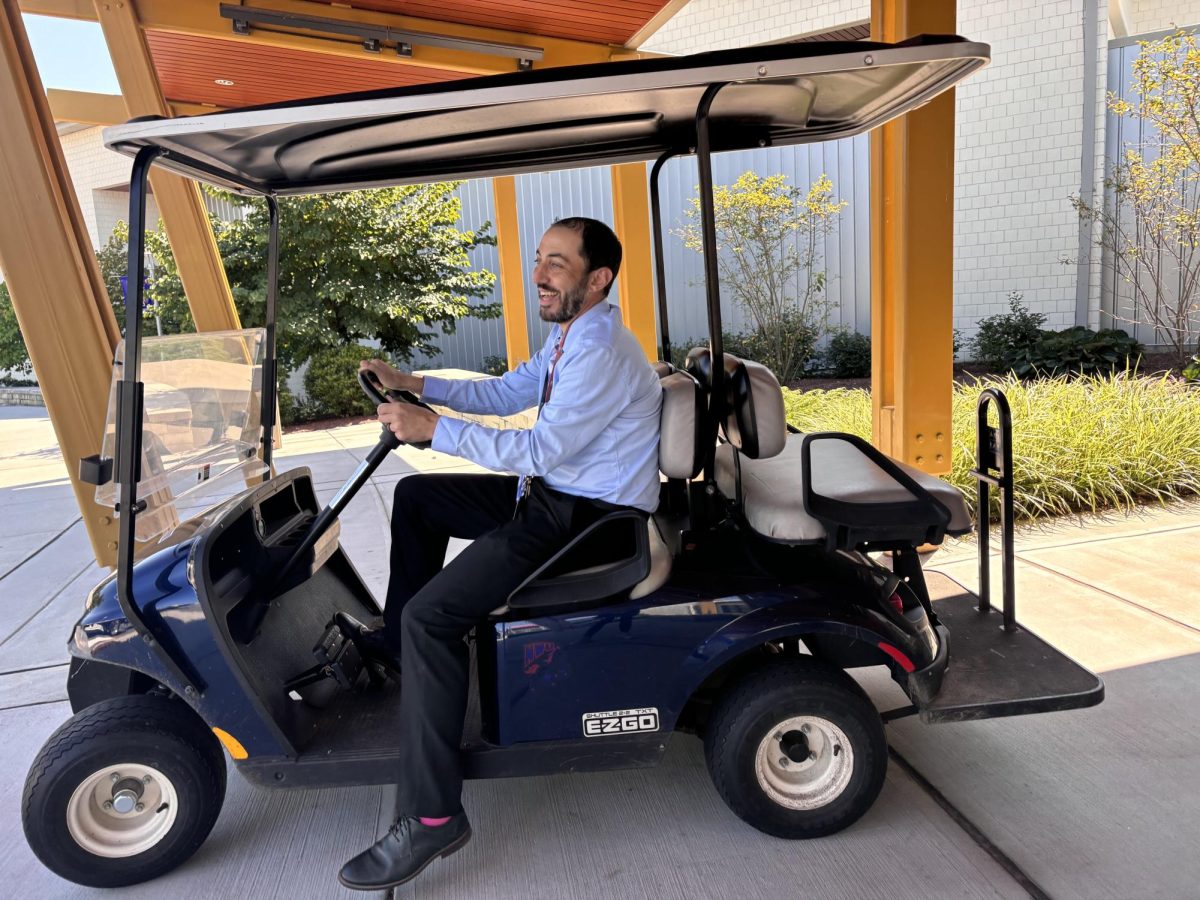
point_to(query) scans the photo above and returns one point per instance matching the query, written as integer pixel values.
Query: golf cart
(732, 612)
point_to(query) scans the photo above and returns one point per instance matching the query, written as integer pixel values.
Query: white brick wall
(721, 24)
(1019, 135)
(1160, 15)
(101, 179)
(1019, 145)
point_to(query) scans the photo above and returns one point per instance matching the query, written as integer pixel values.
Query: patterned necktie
(526, 481)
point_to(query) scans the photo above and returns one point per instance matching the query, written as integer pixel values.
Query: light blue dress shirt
(596, 437)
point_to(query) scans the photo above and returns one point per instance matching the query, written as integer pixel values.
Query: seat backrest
(681, 426)
(752, 413)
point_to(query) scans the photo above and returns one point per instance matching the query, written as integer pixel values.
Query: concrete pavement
(1094, 803)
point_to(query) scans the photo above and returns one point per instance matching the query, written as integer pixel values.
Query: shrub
(1191, 372)
(797, 338)
(1079, 444)
(849, 355)
(1077, 351)
(331, 381)
(1003, 337)
(495, 365)
(289, 406)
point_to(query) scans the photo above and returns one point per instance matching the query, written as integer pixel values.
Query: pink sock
(434, 823)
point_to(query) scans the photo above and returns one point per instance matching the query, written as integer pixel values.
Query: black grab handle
(993, 453)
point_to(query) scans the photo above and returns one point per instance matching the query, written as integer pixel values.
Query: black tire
(150, 734)
(834, 787)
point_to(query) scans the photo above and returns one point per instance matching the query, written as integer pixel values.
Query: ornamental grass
(1079, 444)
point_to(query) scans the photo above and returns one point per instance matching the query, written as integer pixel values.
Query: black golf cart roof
(556, 118)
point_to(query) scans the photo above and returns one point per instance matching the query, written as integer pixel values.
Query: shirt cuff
(434, 390)
(446, 434)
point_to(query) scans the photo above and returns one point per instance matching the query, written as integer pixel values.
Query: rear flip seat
(773, 489)
(845, 494)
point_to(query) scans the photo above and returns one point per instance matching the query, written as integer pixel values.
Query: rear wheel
(796, 749)
(124, 791)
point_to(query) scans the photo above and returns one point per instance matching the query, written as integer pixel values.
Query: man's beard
(569, 305)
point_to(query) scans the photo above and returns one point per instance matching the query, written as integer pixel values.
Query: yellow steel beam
(180, 202)
(55, 283)
(512, 270)
(912, 231)
(631, 221)
(103, 109)
(203, 18)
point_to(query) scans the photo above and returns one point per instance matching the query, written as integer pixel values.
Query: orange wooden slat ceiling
(599, 21)
(189, 67)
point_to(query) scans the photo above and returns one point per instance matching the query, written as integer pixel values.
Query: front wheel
(124, 791)
(796, 749)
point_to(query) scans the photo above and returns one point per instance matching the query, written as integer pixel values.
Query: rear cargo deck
(995, 673)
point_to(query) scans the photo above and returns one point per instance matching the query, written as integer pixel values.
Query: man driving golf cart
(593, 449)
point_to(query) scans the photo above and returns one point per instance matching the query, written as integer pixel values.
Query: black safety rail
(993, 453)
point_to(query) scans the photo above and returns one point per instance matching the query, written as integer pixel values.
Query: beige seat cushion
(773, 489)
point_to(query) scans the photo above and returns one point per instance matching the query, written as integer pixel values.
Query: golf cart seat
(825, 488)
(637, 557)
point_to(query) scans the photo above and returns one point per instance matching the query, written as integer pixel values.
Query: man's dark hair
(600, 247)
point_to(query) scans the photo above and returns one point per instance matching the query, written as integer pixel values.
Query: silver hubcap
(804, 762)
(122, 810)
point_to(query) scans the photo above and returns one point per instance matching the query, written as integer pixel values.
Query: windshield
(201, 423)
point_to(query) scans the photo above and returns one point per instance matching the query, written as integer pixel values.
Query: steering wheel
(378, 394)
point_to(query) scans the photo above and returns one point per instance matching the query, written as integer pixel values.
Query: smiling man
(593, 449)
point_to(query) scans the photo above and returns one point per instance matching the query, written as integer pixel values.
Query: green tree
(13, 355)
(1150, 221)
(389, 264)
(770, 247)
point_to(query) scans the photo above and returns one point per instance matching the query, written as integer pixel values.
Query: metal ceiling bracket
(372, 37)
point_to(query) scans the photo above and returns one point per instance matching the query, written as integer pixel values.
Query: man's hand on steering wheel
(391, 378)
(410, 423)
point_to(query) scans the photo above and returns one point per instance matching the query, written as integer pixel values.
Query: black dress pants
(431, 609)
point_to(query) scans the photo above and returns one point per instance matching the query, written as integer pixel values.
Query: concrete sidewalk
(1094, 803)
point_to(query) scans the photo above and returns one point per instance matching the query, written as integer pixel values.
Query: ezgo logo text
(620, 721)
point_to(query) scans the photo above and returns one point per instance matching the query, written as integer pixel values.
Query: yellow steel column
(180, 202)
(912, 231)
(635, 282)
(512, 270)
(56, 287)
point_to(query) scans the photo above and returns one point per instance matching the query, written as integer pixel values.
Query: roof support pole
(180, 202)
(631, 214)
(512, 270)
(912, 255)
(56, 287)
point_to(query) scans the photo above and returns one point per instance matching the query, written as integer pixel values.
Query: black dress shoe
(403, 853)
(373, 644)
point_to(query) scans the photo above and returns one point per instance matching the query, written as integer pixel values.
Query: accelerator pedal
(339, 660)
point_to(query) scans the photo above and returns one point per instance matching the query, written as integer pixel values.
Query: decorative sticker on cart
(538, 655)
(620, 721)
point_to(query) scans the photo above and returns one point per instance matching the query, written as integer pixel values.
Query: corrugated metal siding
(588, 192)
(1118, 308)
(473, 339)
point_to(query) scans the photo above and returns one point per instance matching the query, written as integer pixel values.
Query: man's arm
(511, 393)
(586, 398)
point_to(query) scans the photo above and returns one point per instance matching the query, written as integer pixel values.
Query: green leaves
(1005, 337)
(13, 355)
(769, 256)
(1149, 226)
(387, 264)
